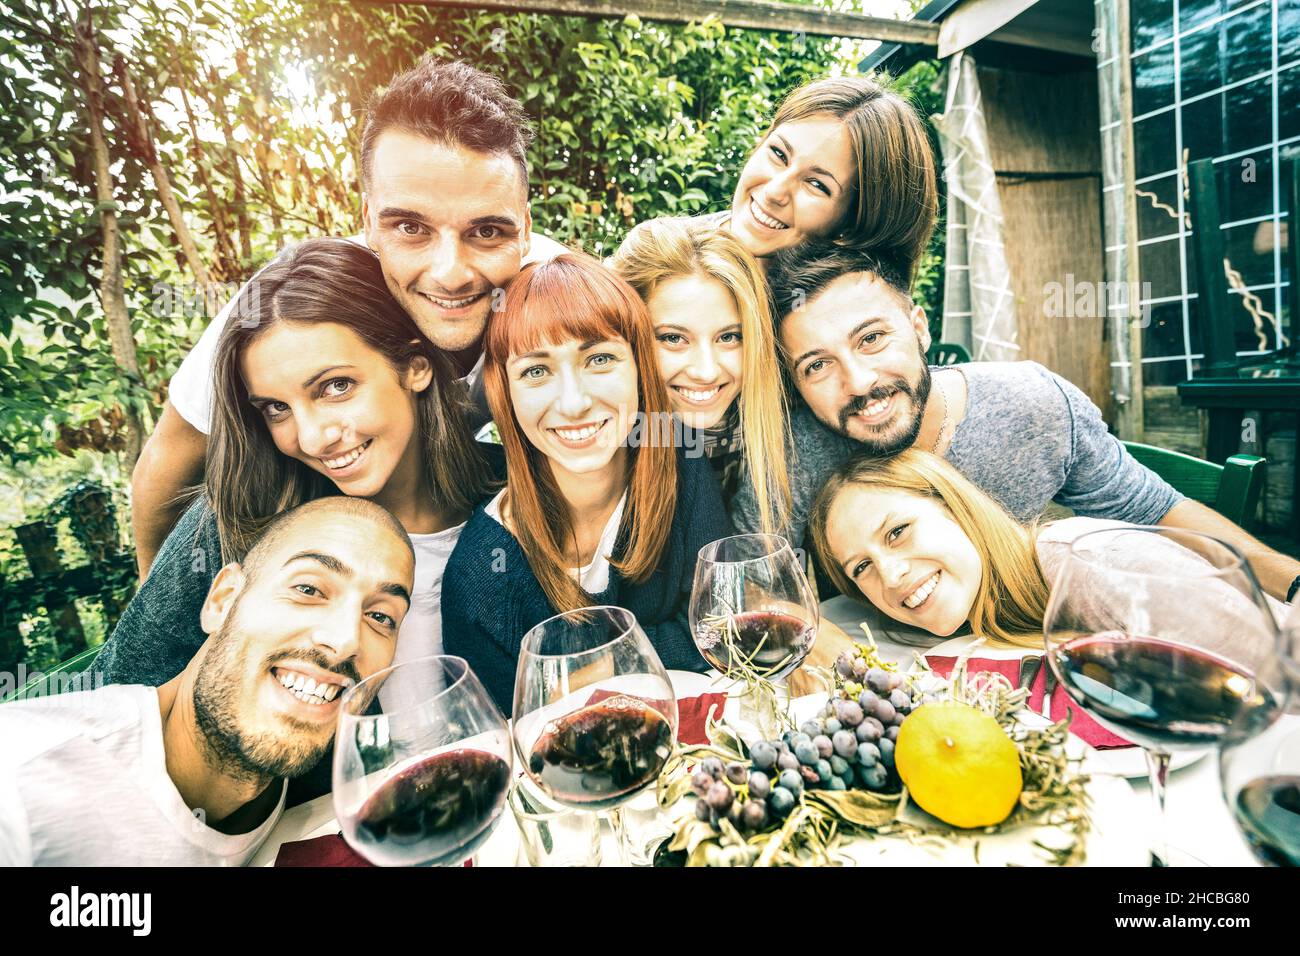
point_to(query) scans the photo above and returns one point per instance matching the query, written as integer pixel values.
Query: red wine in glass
(435, 812)
(1268, 812)
(596, 757)
(771, 643)
(1158, 694)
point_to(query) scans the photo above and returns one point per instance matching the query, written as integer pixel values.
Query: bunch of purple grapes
(849, 745)
(720, 788)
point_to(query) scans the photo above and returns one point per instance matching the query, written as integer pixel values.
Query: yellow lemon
(958, 764)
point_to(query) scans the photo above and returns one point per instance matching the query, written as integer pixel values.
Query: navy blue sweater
(491, 599)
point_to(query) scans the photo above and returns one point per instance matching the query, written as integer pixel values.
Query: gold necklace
(944, 424)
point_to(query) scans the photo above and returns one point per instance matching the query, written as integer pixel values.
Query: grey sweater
(159, 631)
(1028, 437)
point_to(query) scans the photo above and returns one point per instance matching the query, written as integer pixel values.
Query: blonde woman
(716, 350)
(929, 549)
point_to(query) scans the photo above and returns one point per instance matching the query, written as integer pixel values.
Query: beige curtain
(978, 305)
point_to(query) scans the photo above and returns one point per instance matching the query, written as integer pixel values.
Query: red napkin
(328, 850)
(692, 713)
(1081, 725)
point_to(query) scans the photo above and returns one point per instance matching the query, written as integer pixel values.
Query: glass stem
(615, 818)
(1158, 771)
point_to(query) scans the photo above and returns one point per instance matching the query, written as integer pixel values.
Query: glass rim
(784, 546)
(424, 702)
(632, 624)
(1209, 571)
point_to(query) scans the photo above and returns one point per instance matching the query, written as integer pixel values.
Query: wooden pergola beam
(747, 14)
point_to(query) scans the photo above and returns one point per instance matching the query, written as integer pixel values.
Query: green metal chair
(1232, 489)
(947, 353)
(46, 683)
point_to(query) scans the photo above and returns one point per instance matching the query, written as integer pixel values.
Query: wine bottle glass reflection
(595, 716)
(425, 784)
(1170, 660)
(753, 616)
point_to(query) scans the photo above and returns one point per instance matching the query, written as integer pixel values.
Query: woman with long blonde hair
(602, 504)
(931, 550)
(716, 350)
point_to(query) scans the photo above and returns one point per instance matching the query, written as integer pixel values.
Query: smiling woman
(716, 349)
(596, 511)
(925, 546)
(845, 159)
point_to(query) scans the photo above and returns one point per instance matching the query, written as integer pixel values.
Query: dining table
(1199, 825)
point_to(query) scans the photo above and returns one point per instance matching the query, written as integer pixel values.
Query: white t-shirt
(83, 782)
(593, 577)
(190, 390)
(421, 633)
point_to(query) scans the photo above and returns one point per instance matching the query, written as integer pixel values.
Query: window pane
(1288, 96)
(1163, 373)
(1150, 21)
(1155, 146)
(1192, 12)
(1226, 52)
(1164, 335)
(1246, 186)
(1157, 207)
(1288, 30)
(1159, 266)
(1153, 79)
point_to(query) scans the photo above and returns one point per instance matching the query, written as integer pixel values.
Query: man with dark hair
(193, 772)
(854, 345)
(444, 205)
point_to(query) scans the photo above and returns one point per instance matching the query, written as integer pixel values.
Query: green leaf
(860, 807)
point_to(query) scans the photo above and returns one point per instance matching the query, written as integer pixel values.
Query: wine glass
(1259, 768)
(1169, 658)
(753, 617)
(595, 716)
(424, 784)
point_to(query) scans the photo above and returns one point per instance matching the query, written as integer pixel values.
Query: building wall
(1044, 148)
(1216, 79)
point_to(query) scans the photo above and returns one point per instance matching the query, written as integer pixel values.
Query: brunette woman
(323, 386)
(847, 160)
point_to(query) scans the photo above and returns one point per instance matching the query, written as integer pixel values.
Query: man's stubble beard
(918, 395)
(236, 753)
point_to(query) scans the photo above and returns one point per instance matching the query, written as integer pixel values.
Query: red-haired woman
(608, 500)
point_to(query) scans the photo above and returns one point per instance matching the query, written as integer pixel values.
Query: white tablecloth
(1198, 820)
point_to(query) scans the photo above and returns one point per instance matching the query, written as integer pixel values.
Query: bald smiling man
(193, 772)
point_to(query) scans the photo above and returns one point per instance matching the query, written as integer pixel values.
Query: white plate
(1118, 835)
(689, 684)
(1125, 762)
